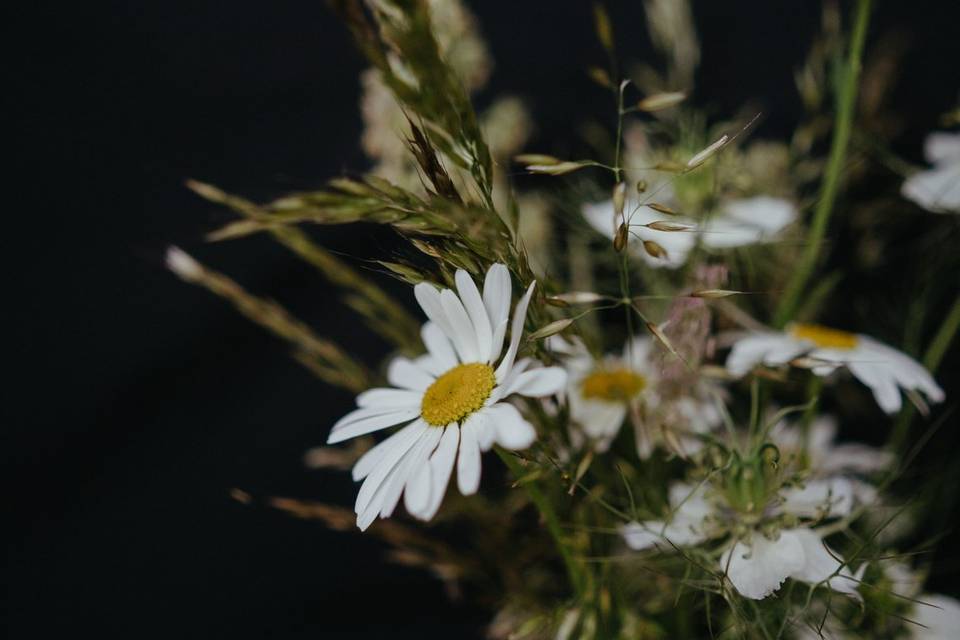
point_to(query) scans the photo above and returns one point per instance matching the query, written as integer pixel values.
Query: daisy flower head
(881, 368)
(937, 189)
(603, 393)
(451, 400)
(738, 223)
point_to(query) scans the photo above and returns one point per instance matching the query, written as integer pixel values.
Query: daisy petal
(464, 339)
(441, 466)
(387, 462)
(439, 346)
(406, 374)
(516, 331)
(389, 398)
(468, 459)
(881, 382)
(483, 429)
(400, 478)
(499, 333)
(497, 292)
(512, 431)
(371, 424)
(538, 383)
(473, 303)
(416, 493)
(372, 458)
(429, 300)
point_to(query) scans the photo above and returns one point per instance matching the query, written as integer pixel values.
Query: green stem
(846, 105)
(550, 519)
(931, 360)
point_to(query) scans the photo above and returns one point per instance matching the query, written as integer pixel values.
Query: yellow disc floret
(457, 393)
(612, 385)
(823, 337)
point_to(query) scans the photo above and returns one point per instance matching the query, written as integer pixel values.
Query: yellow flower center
(457, 393)
(612, 385)
(823, 337)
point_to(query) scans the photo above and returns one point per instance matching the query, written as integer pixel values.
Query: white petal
(820, 563)
(350, 426)
(429, 300)
(599, 420)
(747, 221)
(468, 460)
(372, 458)
(941, 147)
(404, 473)
(484, 429)
(406, 374)
(499, 333)
(512, 431)
(643, 535)
(390, 398)
(758, 569)
(416, 492)
(753, 348)
(602, 217)
(438, 344)
(386, 463)
(881, 382)
(636, 354)
(463, 337)
(936, 189)
(516, 331)
(538, 383)
(497, 293)
(473, 303)
(441, 466)
(833, 497)
(939, 615)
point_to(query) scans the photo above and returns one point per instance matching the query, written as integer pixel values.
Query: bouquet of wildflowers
(615, 409)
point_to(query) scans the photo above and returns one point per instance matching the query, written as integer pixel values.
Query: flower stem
(843, 125)
(550, 519)
(931, 360)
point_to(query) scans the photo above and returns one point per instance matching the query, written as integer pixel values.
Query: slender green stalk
(931, 360)
(843, 126)
(550, 519)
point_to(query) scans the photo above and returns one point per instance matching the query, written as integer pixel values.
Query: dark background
(138, 402)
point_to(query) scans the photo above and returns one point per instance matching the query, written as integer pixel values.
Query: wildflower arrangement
(623, 374)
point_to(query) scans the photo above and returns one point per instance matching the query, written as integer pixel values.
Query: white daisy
(738, 223)
(602, 394)
(884, 369)
(937, 189)
(450, 399)
(758, 565)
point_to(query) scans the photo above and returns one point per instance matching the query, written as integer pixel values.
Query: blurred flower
(876, 365)
(758, 564)
(450, 400)
(602, 393)
(818, 454)
(738, 223)
(937, 189)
